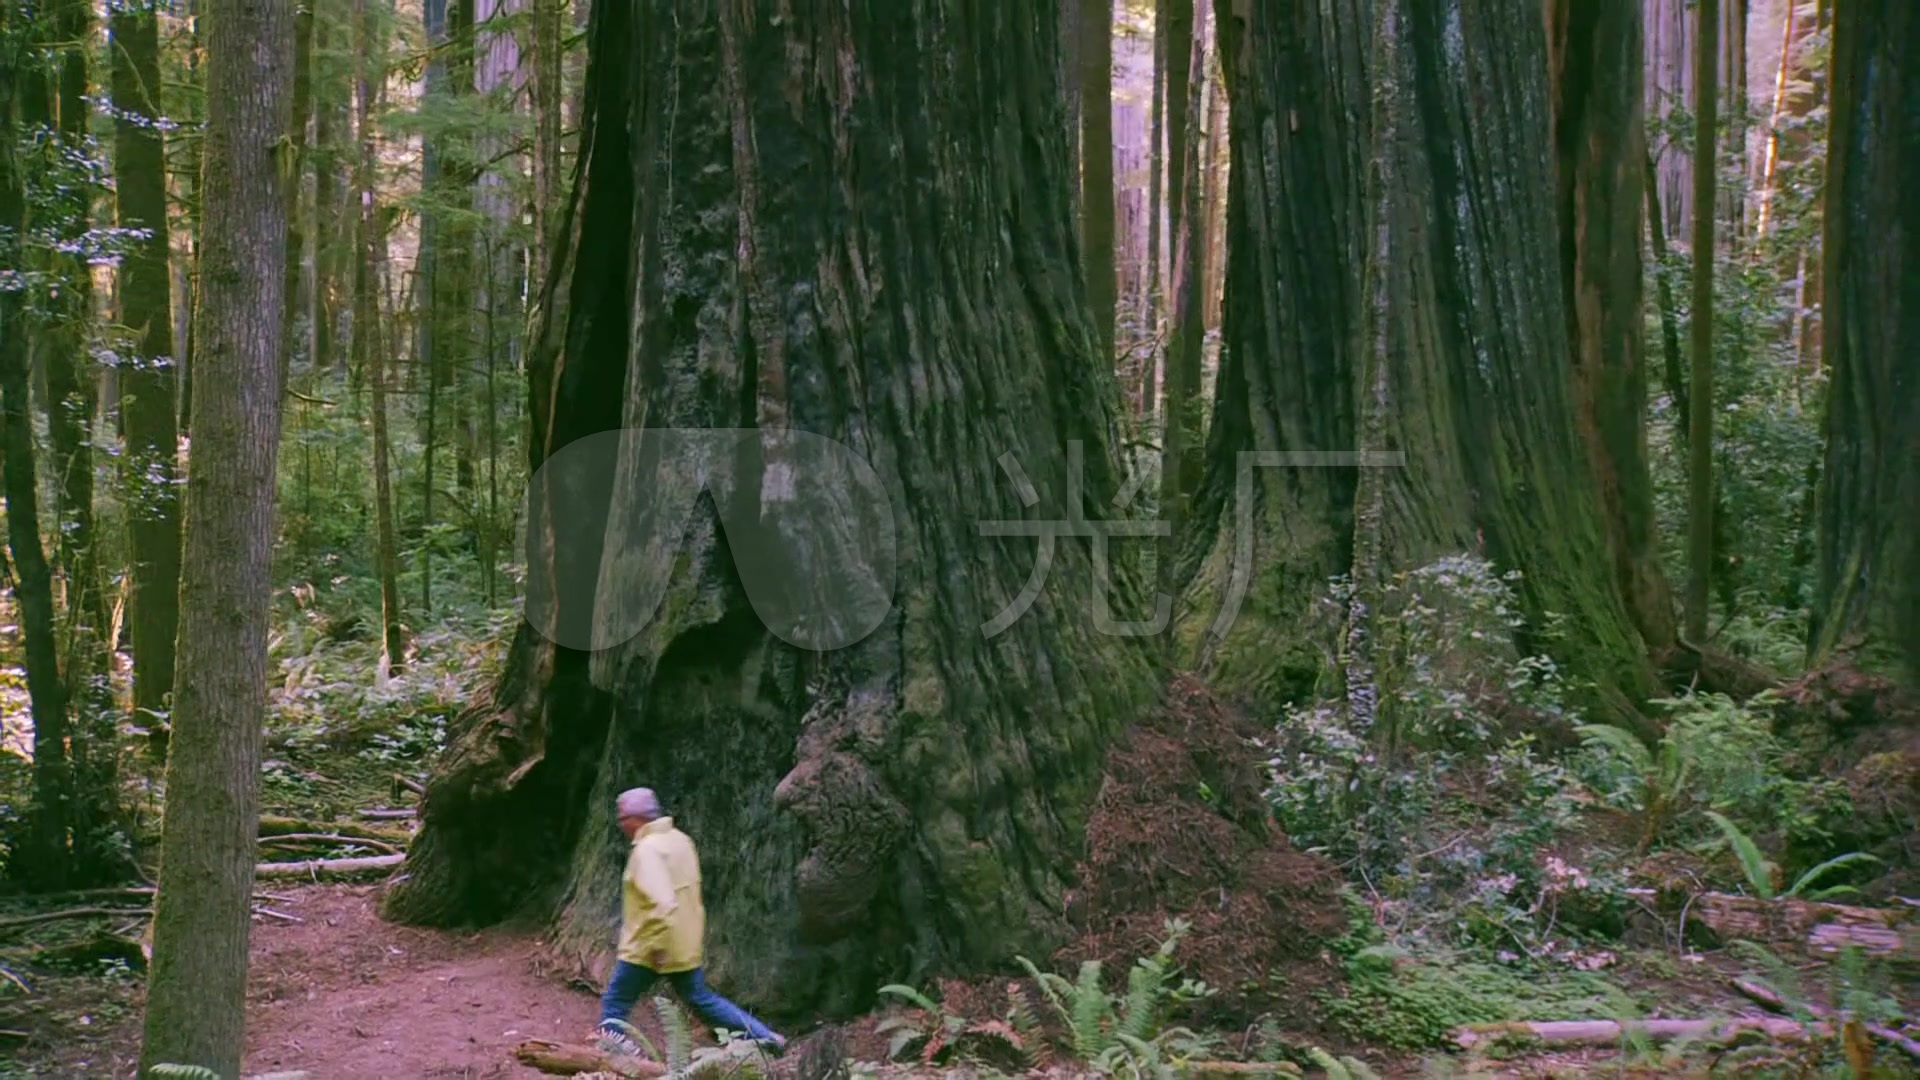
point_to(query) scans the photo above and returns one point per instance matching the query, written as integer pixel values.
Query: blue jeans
(631, 980)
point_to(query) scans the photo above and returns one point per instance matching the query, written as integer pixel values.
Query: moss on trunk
(856, 225)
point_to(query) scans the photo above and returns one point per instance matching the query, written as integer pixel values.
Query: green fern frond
(915, 997)
(1621, 742)
(639, 1037)
(1020, 1014)
(182, 1072)
(1357, 1069)
(1091, 1010)
(1757, 867)
(1328, 1064)
(679, 1034)
(1806, 880)
(1146, 990)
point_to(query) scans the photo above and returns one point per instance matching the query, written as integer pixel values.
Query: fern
(1621, 742)
(182, 1072)
(914, 997)
(679, 1035)
(1806, 880)
(1146, 987)
(1091, 1011)
(1020, 1014)
(639, 1037)
(1758, 869)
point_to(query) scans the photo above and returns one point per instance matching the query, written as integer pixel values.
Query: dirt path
(346, 996)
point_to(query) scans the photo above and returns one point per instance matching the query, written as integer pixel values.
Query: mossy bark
(855, 224)
(1494, 463)
(1866, 605)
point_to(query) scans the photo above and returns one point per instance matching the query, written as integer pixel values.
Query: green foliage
(182, 1072)
(1760, 870)
(1102, 1027)
(1441, 795)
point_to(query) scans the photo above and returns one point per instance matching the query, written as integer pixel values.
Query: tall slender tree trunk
(328, 108)
(1600, 141)
(729, 169)
(1218, 155)
(147, 380)
(1073, 87)
(1181, 464)
(1096, 167)
(45, 862)
(1468, 300)
(369, 343)
(1156, 212)
(196, 988)
(1700, 493)
(196, 210)
(1866, 607)
(297, 154)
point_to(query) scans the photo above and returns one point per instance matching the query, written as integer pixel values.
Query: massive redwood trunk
(1600, 144)
(1439, 356)
(1867, 599)
(853, 223)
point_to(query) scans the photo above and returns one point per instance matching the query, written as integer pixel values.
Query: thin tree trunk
(1181, 464)
(196, 987)
(196, 213)
(1219, 153)
(1700, 493)
(45, 861)
(326, 204)
(369, 343)
(72, 401)
(1096, 168)
(1073, 89)
(1156, 210)
(1669, 319)
(1866, 608)
(297, 163)
(147, 380)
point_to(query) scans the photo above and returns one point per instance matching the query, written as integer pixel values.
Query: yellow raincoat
(662, 921)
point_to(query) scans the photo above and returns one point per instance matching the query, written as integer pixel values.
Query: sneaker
(775, 1046)
(610, 1041)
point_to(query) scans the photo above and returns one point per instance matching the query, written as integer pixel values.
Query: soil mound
(1181, 829)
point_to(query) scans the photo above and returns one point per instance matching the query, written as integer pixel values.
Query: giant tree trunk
(1156, 164)
(854, 224)
(147, 377)
(196, 989)
(1181, 461)
(1600, 142)
(1493, 458)
(44, 863)
(1867, 598)
(1096, 166)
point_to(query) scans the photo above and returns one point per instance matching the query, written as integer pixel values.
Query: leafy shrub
(1442, 791)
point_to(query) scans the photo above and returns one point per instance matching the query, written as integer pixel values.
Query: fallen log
(407, 783)
(384, 814)
(1235, 1070)
(569, 1059)
(331, 838)
(1767, 999)
(1818, 926)
(330, 868)
(274, 825)
(1606, 1032)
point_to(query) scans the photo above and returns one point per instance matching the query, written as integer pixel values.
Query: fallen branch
(335, 868)
(68, 913)
(569, 1059)
(1607, 1032)
(331, 838)
(281, 915)
(384, 814)
(1767, 999)
(406, 783)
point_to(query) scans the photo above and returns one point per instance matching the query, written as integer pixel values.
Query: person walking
(663, 927)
